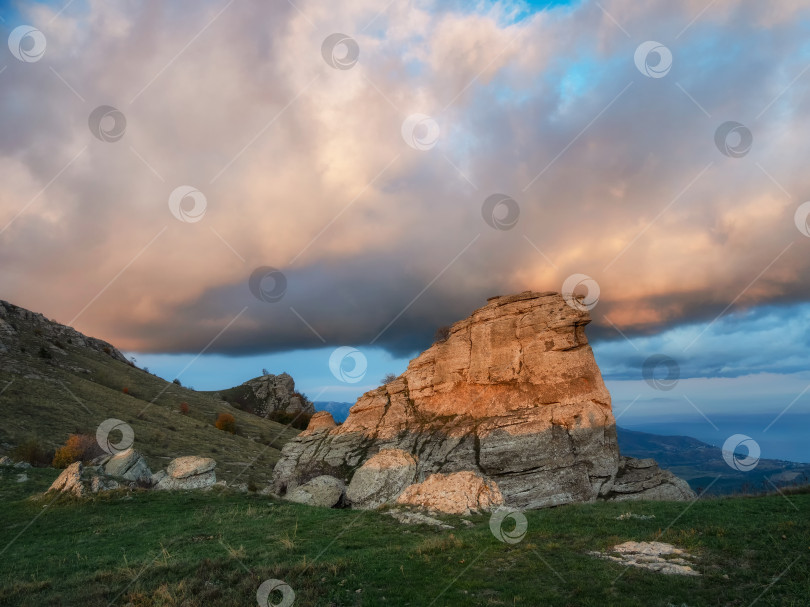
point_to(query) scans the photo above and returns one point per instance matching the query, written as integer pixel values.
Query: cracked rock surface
(513, 395)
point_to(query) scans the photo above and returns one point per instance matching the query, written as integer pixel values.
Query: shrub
(176, 382)
(184, 408)
(125, 390)
(299, 421)
(33, 452)
(44, 352)
(77, 448)
(251, 486)
(442, 333)
(389, 377)
(226, 422)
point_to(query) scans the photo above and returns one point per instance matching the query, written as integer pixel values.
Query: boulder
(188, 472)
(70, 481)
(128, 465)
(325, 491)
(6, 461)
(512, 393)
(22, 465)
(642, 479)
(321, 420)
(190, 465)
(100, 483)
(456, 493)
(381, 479)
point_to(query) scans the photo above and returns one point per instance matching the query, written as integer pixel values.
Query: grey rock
(128, 465)
(417, 518)
(198, 481)
(381, 479)
(6, 461)
(642, 479)
(21, 478)
(190, 465)
(22, 465)
(276, 393)
(325, 491)
(70, 481)
(100, 483)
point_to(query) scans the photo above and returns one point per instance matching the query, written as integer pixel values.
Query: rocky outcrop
(456, 493)
(321, 420)
(643, 479)
(188, 472)
(269, 394)
(381, 479)
(513, 394)
(324, 491)
(70, 481)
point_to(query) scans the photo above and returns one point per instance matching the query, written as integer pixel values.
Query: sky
(221, 187)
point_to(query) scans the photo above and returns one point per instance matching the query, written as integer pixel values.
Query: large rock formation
(269, 394)
(512, 394)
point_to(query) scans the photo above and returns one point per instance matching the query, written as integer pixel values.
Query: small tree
(77, 448)
(184, 408)
(389, 377)
(176, 382)
(265, 372)
(442, 333)
(226, 422)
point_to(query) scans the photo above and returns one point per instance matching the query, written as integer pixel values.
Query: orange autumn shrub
(184, 408)
(77, 448)
(226, 422)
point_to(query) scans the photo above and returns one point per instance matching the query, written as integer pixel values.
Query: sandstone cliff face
(513, 394)
(268, 394)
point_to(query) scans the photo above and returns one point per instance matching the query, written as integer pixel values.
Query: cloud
(304, 168)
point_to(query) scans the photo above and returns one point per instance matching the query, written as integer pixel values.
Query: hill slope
(54, 381)
(700, 464)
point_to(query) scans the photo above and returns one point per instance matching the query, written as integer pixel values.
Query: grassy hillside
(50, 388)
(215, 549)
(700, 464)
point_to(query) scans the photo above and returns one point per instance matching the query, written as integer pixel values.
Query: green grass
(53, 400)
(214, 548)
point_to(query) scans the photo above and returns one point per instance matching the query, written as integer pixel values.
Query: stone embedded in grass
(188, 472)
(326, 491)
(128, 465)
(654, 556)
